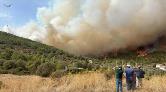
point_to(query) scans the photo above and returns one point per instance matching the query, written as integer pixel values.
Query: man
(129, 77)
(139, 74)
(119, 74)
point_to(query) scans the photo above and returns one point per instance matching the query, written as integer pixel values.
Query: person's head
(128, 66)
(120, 67)
(139, 67)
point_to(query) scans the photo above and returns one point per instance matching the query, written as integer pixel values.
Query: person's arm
(143, 71)
(124, 73)
(114, 68)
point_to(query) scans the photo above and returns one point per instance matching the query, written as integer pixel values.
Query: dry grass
(88, 82)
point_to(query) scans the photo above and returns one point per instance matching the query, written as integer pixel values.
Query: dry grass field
(88, 82)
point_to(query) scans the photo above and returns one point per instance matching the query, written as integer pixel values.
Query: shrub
(33, 65)
(6, 54)
(18, 71)
(81, 64)
(9, 65)
(60, 65)
(3, 71)
(18, 56)
(78, 64)
(58, 74)
(45, 69)
(1, 62)
(21, 64)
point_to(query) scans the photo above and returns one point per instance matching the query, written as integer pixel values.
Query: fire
(145, 50)
(142, 53)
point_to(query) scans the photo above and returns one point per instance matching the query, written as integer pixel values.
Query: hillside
(19, 55)
(22, 56)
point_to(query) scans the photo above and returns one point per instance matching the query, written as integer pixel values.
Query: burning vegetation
(159, 44)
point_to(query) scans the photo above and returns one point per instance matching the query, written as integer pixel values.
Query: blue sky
(21, 11)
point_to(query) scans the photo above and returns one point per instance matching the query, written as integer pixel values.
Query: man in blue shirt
(129, 77)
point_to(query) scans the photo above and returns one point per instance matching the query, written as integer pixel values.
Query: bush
(21, 64)
(45, 69)
(60, 65)
(3, 71)
(6, 54)
(58, 74)
(18, 71)
(1, 62)
(81, 64)
(18, 56)
(33, 65)
(9, 65)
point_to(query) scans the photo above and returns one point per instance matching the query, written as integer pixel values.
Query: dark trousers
(129, 84)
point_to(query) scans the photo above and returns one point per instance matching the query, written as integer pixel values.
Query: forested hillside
(23, 56)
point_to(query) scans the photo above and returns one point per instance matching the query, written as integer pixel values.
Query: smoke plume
(94, 27)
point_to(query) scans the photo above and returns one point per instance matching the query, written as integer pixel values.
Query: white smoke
(98, 26)
(31, 31)
(6, 29)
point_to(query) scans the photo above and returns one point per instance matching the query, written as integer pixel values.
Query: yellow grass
(88, 82)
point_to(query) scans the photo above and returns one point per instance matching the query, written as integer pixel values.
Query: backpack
(140, 74)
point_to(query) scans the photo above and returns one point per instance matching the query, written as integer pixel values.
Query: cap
(139, 66)
(128, 65)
